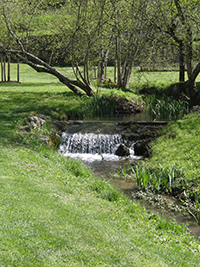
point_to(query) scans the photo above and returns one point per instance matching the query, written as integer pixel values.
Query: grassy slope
(54, 212)
(180, 146)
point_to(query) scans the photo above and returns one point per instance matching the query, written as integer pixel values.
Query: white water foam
(92, 147)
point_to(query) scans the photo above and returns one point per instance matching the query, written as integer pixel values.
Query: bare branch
(16, 38)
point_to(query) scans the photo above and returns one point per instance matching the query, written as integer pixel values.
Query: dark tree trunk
(190, 86)
(188, 90)
(181, 62)
(126, 74)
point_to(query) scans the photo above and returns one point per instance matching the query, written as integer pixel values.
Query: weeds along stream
(165, 205)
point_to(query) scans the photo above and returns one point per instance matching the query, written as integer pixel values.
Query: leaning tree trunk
(41, 66)
(74, 85)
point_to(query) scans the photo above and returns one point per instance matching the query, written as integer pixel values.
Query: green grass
(176, 153)
(54, 212)
(180, 145)
(45, 94)
(50, 217)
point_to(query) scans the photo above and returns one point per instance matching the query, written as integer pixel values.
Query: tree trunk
(44, 67)
(188, 90)
(126, 73)
(181, 62)
(115, 72)
(190, 85)
(102, 64)
(118, 61)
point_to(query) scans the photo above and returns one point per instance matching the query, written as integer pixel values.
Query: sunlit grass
(180, 145)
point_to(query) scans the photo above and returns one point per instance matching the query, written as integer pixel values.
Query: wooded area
(89, 34)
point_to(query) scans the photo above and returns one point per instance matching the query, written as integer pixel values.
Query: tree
(177, 23)
(85, 21)
(129, 32)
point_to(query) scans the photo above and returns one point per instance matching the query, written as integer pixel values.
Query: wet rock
(60, 125)
(141, 148)
(122, 151)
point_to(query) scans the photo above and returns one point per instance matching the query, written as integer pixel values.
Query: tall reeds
(159, 179)
(166, 107)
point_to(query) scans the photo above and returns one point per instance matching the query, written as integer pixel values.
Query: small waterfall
(90, 146)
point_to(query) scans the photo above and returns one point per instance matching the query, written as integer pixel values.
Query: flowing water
(95, 143)
(90, 146)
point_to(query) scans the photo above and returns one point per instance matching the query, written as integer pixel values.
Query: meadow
(54, 212)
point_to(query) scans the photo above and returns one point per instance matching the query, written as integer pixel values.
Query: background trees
(88, 33)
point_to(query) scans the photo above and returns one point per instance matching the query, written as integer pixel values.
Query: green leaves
(160, 179)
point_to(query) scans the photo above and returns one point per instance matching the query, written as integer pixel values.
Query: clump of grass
(197, 205)
(166, 107)
(102, 105)
(195, 211)
(95, 106)
(157, 179)
(105, 190)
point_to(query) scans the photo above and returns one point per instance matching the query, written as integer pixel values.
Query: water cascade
(90, 146)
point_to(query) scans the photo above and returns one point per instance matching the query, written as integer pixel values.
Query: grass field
(54, 212)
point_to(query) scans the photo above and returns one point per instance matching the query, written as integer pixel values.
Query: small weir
(92, 147)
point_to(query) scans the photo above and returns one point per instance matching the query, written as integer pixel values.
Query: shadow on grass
(30, 84)
(16, 106)
(127, 90)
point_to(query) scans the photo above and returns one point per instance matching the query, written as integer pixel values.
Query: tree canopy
(88, 33)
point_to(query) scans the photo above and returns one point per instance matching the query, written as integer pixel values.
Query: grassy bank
(54, 212)
(173, 168)
(179, 146)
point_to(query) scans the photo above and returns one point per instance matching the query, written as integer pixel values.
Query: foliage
(90, 34)
(159, 178)
(166, 107)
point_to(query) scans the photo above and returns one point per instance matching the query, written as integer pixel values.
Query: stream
(105, 169)
(95, 143)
